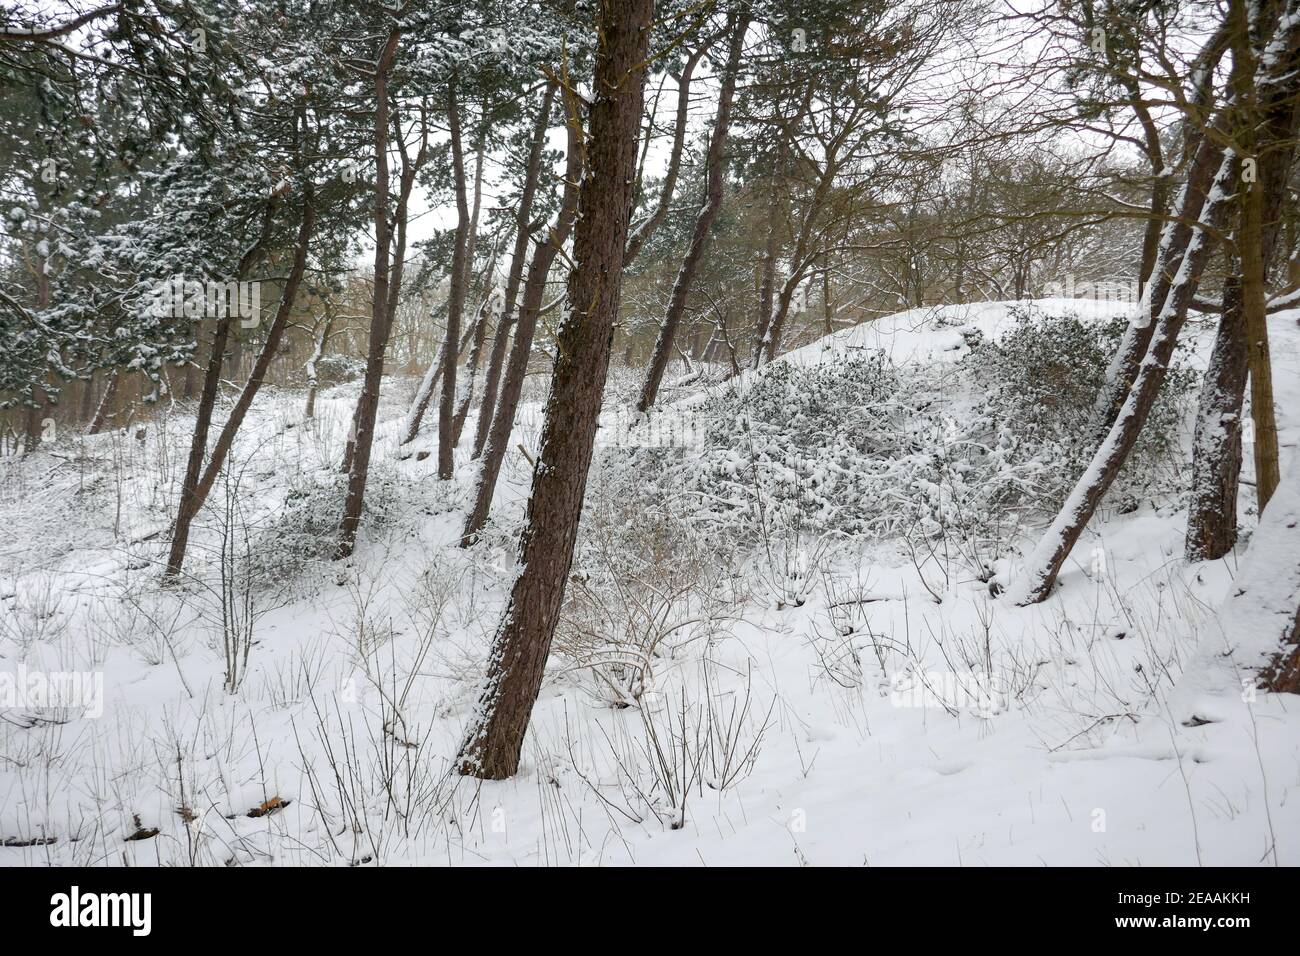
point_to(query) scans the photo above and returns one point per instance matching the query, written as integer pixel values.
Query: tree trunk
(424, 395)
(641, 235)
(368, 402)
(86, 406)
(106, 401)
(1251, 241)
(1260, 619)
(766, 283)
(800, 261)
(477, 335)
(36, 413)
(1216, 448)
(1043, 565)
(1216, 459)
(456, 294)
(498, 440)
(263, 363)
(523, 232)
(34, 424)
(1137, 336)
(523, 639)
(231, 428)
(187, 507)
(189, 382)
(313, 366)
(703, 222)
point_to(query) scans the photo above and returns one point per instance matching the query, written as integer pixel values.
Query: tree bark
(313, 366)
(800, 261)
(1251, 244)
(1174, 235)
(522, 643)
(424, 395)
(456, 293)
(1216, 447)
(766, 283)
(641, 235)
(477, 335)
(106, 402)
(703, 222)
(1259, 621)
(368, 402)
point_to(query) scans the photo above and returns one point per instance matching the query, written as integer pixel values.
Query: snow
(363, 676)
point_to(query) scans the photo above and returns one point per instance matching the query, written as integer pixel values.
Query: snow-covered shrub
(337, 368)
(304, 532)
(808, 442)
(1039, 388)
(955, 459)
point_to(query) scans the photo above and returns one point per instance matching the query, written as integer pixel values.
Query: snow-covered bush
(304, 532)
(955, 459)
(1040, 385)
(336, 369)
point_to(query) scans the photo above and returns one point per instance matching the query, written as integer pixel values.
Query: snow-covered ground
(892, 717)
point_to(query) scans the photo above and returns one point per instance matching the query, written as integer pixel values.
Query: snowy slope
(361, 676)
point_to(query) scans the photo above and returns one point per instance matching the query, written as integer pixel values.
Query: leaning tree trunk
(523, 639)
(106, 402)
(187, 508)
(363, 421)
(226, 438)
(503, 421)
(1043, 565)
(424, 394)
(703, 222)
(477, 335)
(1123, 367)
(264, 358)
(523, 232)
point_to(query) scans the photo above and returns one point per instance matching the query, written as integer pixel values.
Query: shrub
(969, 453)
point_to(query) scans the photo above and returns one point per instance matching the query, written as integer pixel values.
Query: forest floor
(842, 727)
